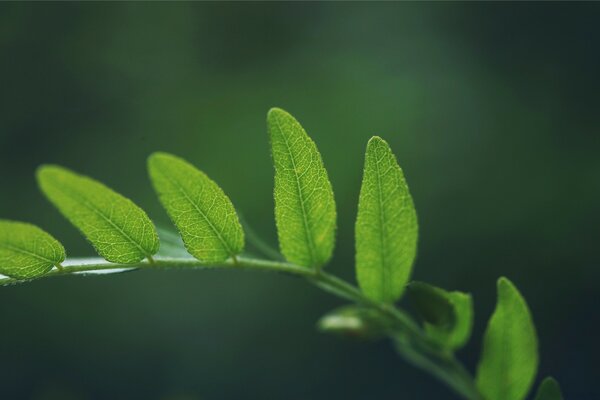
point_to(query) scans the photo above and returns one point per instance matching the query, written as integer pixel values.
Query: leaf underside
(432, 304)
(304, 204)
(354, 321)
(119, 230)
(386, 226)
(448, 316)
(459, 334)
(27, 251)
(200, 210)
(509, 358)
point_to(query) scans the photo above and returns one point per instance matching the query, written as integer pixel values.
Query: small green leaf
(304, 204)
(433, 304)
(26, 251)
(549, 390)
(202, 212)
(353, 321)
(509, 358)
(120, 231)
(459, 335)
(448, 316)
(386, 226)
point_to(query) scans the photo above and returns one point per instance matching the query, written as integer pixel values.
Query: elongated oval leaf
(509, 358)
(549, 390)
(120, 231)
(448, 316)
(304, 205)
(386, 226)
(26, 251)
(203, 214)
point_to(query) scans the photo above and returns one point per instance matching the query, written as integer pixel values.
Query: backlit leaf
(509, 358)
(549, 390)
(120, 231)
(200, 210)
(386, 226)
(304, 204)
(26, 251)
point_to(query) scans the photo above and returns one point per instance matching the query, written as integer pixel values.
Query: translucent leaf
(549, 390)
(386, 226)
(509, 358)
(26, 251)
(304, 204)
(202, 213)
(120, 231)
(447, 316)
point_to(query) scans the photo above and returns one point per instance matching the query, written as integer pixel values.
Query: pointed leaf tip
(549, 390)
(305, 211)
(386, 229)
(119, 230)
(198, 207)
(273, 111)
(377, 140)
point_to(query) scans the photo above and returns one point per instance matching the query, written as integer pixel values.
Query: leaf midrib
(307, 232)
(503, 360)
(27, 252)
(202, 214)
(382, 233)
(90, 206)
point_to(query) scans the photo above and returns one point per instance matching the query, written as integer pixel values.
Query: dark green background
(491, 109)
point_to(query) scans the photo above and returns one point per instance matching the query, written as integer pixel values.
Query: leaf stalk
(410, 341)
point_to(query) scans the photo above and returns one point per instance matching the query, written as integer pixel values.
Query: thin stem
(411, 343)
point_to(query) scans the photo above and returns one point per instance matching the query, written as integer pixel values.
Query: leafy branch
(305, 214)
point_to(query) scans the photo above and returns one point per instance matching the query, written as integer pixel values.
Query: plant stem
(410, 341)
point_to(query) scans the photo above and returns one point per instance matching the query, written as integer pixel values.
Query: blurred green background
(491, 109)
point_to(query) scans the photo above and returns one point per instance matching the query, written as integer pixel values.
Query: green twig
(411, 343)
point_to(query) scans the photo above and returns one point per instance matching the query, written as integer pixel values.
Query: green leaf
(386, 226)
(203, 214)
(120, 231)
(549, 390)
(304, 204)
(459, 334)
(448, 316)
(353, 321)
(509, 358)
(26, 251)
(433, 304)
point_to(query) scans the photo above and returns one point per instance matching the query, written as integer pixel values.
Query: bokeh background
(491, 109)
